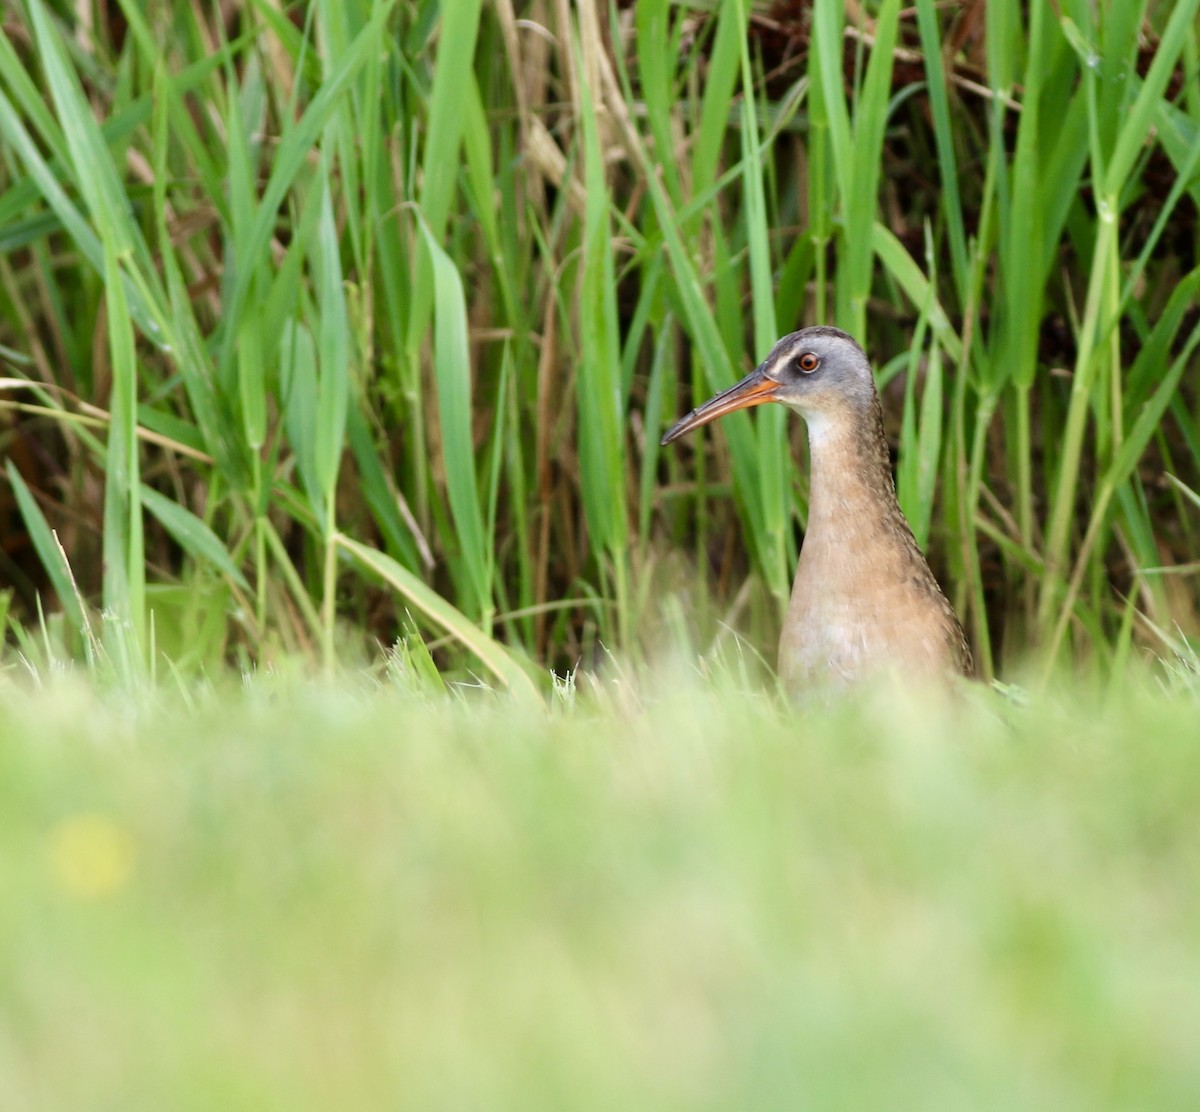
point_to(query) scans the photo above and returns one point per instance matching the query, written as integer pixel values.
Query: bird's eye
(809, 362)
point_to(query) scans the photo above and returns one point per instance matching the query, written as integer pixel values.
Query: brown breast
(864, 600)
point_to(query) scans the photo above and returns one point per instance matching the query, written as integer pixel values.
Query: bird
(864, 601)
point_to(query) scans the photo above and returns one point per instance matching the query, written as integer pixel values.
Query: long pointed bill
(754, 389)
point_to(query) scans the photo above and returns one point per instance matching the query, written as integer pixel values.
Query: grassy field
(668, 895)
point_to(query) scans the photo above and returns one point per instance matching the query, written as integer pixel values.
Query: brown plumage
(864, 601)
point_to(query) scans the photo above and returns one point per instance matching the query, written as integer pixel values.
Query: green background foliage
(430, 279)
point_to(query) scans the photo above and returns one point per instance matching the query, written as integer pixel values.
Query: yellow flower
(92, 855)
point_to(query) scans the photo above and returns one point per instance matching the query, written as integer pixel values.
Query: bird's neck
(851, 472)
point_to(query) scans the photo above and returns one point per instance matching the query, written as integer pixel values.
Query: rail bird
(864, 601)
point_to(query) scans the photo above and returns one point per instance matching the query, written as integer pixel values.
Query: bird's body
(864, 601)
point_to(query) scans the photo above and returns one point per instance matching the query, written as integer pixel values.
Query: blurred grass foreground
(682, 899)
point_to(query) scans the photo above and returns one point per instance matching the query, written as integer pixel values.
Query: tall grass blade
(49, 552)
(334, 353)
(452, 80)
(935, 76)
(600, 403)
(774, 466)
(452, 373)
(124, 549)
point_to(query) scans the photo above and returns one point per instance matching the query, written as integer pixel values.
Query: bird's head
(819, 372)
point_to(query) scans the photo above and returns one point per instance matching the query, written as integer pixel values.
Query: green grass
(667, 894)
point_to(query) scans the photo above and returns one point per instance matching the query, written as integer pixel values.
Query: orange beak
(754, 389)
